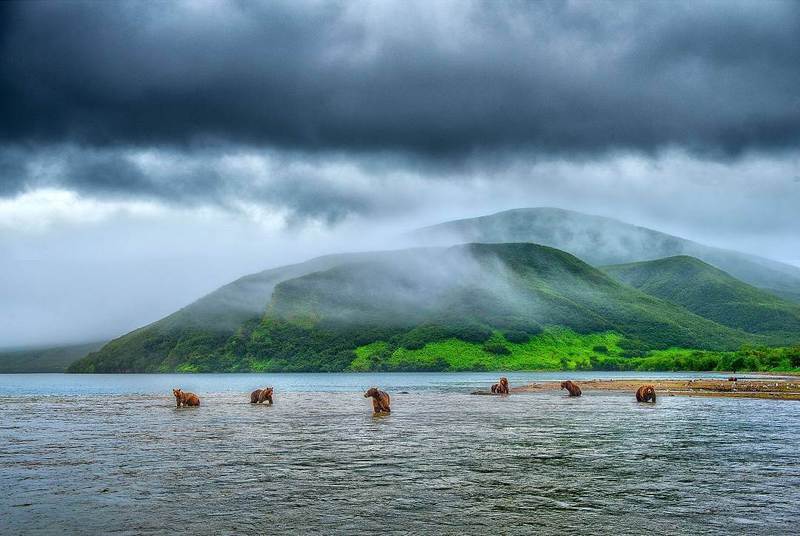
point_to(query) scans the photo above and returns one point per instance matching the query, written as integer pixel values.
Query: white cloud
(37, 211)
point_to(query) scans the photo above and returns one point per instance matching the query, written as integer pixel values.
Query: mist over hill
(501, 286)
(204, 325)
(408, 299)
(602, 241)
(317, 314)
(46, 359)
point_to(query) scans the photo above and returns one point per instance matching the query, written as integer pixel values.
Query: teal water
(157, 384)
(111, 454)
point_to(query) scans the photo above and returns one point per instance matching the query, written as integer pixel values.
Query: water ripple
(443, 461)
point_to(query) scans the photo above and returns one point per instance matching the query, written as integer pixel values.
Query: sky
(152, 151)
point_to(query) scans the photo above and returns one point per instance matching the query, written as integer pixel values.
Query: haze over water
(112, 454)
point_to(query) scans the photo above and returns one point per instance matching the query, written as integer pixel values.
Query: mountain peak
(600, 240)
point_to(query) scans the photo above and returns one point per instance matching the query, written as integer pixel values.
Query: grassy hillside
(713, 294)
(504, 286)
(563, 349)
(603, 241)
(50, 359)
(201, 328)
(410, 299)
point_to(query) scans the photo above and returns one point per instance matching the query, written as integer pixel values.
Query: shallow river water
(111, 454)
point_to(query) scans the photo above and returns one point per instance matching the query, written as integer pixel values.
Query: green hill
(202, 327)
(713, 294)
(405, 300)
(48, 359)
(603, 241)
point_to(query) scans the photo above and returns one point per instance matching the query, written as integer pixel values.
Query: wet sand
(771, 388)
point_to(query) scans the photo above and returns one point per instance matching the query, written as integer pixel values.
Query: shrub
(418, 337)
(472, 333)
(495, 348)
(794, 356)
(519, 337)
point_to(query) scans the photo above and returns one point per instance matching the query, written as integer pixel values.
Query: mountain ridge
(711, 293)
(600, 240)
(224, 317)
(317, 321)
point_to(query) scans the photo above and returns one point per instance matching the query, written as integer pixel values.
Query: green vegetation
(560, 349)
(469, 291)
(478, 306)
(201, 330)
(748, 358)
(553, 349)
(471, 307)
(603, 241)
(713, 294)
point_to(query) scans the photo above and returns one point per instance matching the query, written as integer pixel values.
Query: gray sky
(151, 151)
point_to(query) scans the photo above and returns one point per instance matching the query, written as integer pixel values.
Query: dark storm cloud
(223, 177)
(429, 79)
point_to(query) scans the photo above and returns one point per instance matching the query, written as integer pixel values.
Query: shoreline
(776, 389)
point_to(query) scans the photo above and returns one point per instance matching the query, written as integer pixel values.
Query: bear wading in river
(572, 387)
(261, 395)
(380, 400)
(501, 388)
(185, 399)
(646, 393)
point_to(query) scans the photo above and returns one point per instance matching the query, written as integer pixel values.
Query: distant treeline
(280, 346)
(747, 359)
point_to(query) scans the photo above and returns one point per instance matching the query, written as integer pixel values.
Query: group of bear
(186, 399)
(645, 393)
(381, 401)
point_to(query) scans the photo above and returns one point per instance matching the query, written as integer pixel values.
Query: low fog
(150, 154)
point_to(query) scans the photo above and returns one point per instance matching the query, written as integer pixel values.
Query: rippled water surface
(106, 454)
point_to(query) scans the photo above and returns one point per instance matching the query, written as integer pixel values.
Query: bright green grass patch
(563, 349)
(366, 356)
(553, 349)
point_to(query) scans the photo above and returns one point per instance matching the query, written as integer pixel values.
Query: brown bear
(572, 387)
(261, 395)
(380, 401)
(501, 388)
(646, 393)
(185, 399)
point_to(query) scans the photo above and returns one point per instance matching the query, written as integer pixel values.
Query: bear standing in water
(185, 399)
(380, 401)
(572, 387)
(646, 393)
(501, 388)
(261, 395)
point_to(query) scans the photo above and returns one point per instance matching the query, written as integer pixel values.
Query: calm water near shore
(111, 454)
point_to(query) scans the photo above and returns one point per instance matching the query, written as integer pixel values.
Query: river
(111, 454)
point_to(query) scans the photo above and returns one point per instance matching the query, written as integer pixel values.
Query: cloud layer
(259, 133)
(434, 79)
